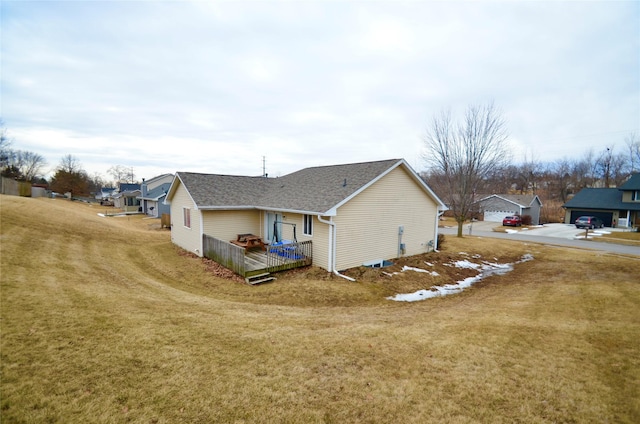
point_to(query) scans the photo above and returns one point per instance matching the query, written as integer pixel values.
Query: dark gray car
(589, 222)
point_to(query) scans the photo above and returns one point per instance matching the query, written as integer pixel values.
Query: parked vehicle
(589, 222)
(513, 220)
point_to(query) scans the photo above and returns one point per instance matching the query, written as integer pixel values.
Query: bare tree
(121, 174)
(70, 164)
(603, 166)
(633, 144)
(562, 179)
(5, 146)
(30, 164)
(528, 174)
(465, 153)
(70, 177)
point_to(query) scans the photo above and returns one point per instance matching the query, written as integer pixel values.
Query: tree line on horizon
(69, 175)
(473, 146)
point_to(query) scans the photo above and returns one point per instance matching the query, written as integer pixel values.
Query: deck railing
(226, 254)
(285, 256)
(278, 257)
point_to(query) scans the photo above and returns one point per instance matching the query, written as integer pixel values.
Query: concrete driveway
(554, 234)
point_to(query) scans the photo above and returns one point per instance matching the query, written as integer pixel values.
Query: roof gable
(522, 200)
(633, 183)
(122, 187)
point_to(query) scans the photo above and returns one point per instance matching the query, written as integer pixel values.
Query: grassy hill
(104, 320)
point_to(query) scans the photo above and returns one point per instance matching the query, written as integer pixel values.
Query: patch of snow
(447, 289)
(466, 264)
(510, 231)
(428, 263)
(463, 253)
(102, 215)
(525, 229)
(601, 232)
(412, 297)
(410, 268)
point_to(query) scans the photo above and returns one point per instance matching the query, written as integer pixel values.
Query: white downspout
(200, 251)
(435, 232)
(332, 243)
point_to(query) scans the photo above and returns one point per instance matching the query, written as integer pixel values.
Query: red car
(514, 220)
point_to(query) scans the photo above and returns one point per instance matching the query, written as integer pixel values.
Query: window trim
(186, 217)
(307, 225)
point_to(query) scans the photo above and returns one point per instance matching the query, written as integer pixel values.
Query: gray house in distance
(617, 207)
(498, 206)
(152, 195)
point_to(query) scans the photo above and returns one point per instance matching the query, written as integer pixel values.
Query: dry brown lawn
(103, 320)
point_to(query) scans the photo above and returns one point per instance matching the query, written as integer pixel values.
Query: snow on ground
(486, 269)
(410, 268)
(466, 264)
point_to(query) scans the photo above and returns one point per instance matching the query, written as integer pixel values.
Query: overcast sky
(214, 87)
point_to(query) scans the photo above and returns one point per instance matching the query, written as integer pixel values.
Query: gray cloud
(168, 86)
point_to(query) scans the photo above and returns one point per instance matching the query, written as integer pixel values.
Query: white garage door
(497, 216)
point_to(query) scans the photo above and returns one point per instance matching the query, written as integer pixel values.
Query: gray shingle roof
(319, 189)
(633, 183)
(316, 189)
(156, 193)
(214, 190)
(524, 200)
(600, 198)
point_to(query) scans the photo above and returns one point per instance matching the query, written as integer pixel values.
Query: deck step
(259, 278)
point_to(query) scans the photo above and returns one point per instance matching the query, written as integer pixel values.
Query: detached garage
(498, 206)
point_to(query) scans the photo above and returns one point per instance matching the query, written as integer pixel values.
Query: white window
(186, 215)
(636, 195)
(308, 225)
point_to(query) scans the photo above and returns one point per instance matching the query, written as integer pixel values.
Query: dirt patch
(215, 268)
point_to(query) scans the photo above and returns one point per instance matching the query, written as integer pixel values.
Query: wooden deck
(255, 261)
(270, 260)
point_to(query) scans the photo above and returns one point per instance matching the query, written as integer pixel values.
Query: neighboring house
(618, 207)
(352, 213)
(153, 193)
(104, 195)
(497, 206)
(126, 197)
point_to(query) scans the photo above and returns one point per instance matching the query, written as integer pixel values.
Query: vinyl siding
(321, 244)
(368, 223)
(187, 238)
(226, 225)
(496, 204)
(158, 182)
(319, 238)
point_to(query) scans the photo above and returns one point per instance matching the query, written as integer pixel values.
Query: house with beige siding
(353, 214)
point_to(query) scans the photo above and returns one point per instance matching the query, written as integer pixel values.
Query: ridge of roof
(514, 198)
(317, 189)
